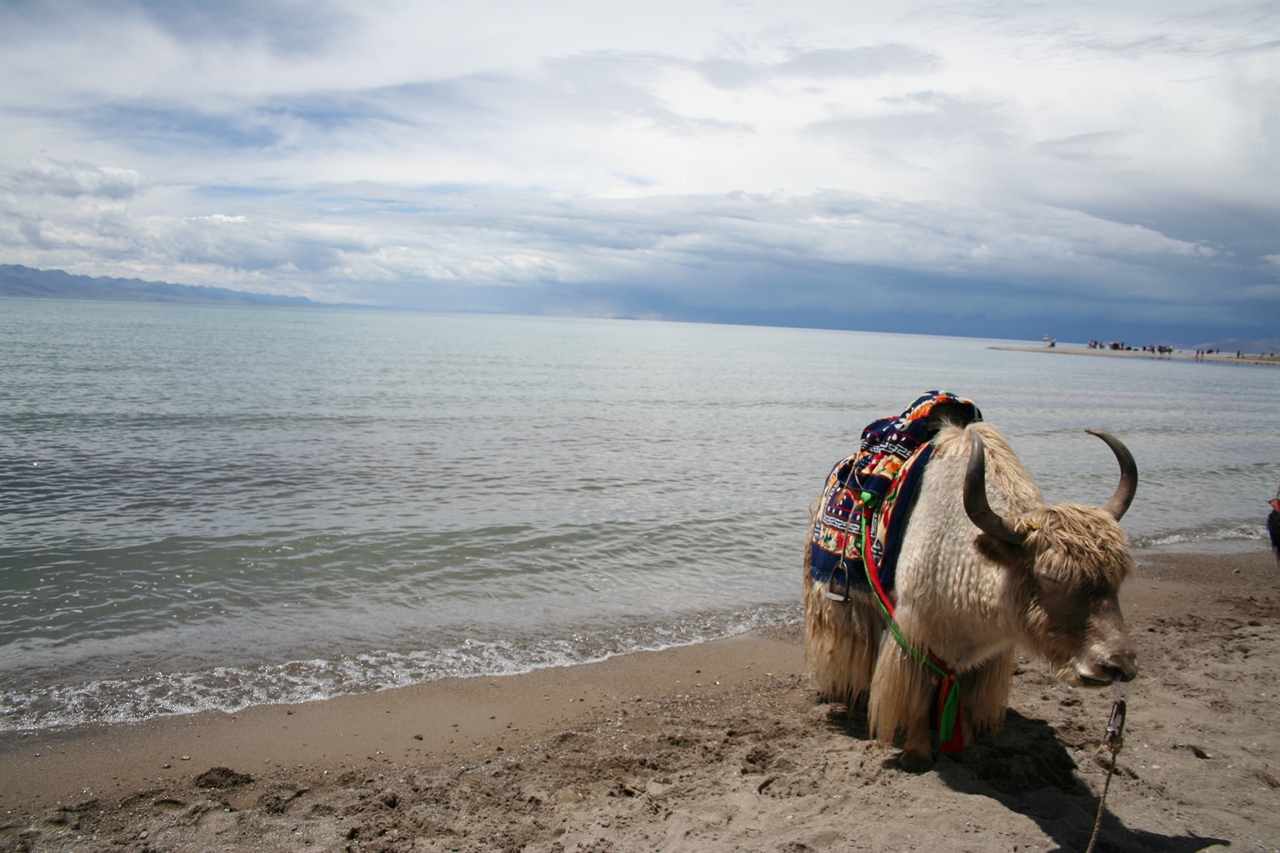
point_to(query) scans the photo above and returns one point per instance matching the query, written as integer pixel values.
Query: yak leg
(917, 752)
(984, 696)
(901, 691)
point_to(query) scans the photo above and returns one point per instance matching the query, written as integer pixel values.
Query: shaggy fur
(972, 600)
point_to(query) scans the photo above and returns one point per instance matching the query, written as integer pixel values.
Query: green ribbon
(950, 709)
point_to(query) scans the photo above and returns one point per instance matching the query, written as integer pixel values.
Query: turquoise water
(211, 507)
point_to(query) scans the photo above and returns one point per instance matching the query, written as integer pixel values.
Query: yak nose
(1122, 666)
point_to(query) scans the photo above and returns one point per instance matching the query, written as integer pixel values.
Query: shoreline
(1177, 355)
(718, 746)
(453, 718)
(1192, 546)
(779, 623)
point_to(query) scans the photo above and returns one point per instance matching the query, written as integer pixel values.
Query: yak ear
(1004, 554)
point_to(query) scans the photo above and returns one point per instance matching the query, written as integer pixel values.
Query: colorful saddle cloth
(884, 475)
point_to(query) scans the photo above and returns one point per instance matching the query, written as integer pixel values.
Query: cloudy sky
(1002, 169)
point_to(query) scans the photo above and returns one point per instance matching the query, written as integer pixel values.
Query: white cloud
(381, 233)
(71, 180)
(1102, 151)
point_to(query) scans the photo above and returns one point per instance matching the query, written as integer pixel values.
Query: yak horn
(1120, 501)
(976, 505)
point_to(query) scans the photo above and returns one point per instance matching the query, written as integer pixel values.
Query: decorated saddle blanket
(883, 475)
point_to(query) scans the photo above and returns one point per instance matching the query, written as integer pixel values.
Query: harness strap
(950, 729)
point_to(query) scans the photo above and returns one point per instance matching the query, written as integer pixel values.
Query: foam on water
(1242, 535)
(232, 688)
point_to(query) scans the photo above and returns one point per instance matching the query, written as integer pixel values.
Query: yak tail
(841, 642)
(841, 639)
(902, 686)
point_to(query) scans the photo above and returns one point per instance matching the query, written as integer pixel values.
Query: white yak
(984, 567)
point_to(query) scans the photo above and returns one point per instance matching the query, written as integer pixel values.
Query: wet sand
(715, 747)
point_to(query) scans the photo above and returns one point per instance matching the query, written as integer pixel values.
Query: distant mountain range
(17, 280)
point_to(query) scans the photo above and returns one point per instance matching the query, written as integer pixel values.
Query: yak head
(1072, 559)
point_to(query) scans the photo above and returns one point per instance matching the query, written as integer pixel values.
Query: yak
(984, 568)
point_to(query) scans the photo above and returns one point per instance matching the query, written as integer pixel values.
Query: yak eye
(1048, 583)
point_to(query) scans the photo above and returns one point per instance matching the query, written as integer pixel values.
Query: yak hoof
(915, 762)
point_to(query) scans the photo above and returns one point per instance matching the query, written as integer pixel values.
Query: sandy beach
(714, 747)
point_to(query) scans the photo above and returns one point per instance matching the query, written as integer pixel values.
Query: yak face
(1073, 559)
(1072, 613)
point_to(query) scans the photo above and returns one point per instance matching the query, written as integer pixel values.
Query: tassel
(950, 728)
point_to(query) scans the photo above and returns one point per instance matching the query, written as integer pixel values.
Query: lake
(214, 507)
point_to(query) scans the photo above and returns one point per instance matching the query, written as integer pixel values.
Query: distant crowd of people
(1157, 349)
(1161, 349)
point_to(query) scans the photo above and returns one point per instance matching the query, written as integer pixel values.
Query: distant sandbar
(1224, 358)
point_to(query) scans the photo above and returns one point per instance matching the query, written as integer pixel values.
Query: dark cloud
(749, 258)
(1240, 234)
(829, 259)
(837, 296)
(742, 258)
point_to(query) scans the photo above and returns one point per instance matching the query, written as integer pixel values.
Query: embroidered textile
(879, 477)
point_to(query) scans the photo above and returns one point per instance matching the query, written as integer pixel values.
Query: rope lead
(1113, 743)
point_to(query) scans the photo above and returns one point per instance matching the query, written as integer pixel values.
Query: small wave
(1232, 533)
(231, 689)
